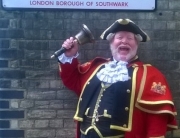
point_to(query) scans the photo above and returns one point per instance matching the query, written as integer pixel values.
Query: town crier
(119, 97)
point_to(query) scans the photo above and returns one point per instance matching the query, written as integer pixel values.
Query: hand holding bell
(83, 37)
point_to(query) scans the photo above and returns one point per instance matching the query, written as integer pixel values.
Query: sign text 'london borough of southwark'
(82, 4)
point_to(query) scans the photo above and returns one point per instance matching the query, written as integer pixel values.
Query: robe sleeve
(154, 96)
(156, 125)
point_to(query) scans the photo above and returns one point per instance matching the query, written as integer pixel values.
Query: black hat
(125, 25)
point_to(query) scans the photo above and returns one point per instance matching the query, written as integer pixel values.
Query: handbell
(83, 37)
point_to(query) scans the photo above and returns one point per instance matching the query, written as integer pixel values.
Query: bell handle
(61, 51)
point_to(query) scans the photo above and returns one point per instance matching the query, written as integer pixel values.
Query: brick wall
(33, 101)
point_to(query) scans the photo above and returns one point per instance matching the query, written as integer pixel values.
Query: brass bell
(84, 36)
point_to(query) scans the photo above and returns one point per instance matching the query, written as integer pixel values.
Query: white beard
(120, 57)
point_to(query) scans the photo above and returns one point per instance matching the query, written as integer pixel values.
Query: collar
(113, 72)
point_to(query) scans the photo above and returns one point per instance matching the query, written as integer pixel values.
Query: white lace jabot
(113, 72)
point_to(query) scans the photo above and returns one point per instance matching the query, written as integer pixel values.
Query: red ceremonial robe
(153, 112)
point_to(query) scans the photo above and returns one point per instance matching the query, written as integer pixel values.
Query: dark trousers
(90, 134)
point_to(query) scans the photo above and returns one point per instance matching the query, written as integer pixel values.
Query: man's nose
(124, 40)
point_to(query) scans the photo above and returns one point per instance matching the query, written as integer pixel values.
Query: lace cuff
(64, 59)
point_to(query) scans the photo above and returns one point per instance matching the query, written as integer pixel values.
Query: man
(121, 96)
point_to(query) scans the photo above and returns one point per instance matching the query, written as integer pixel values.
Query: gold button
(126, 108)
(124, 125)
(88, 82)
(129, 78)
(128, 91)
(81, 99)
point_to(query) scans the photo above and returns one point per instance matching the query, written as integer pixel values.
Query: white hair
(110, 36)
(138, 37)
